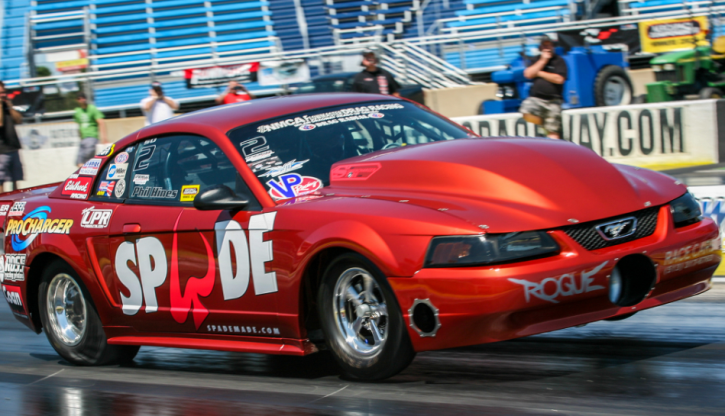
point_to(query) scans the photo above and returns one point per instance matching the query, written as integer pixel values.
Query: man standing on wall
(158, 107)
(90, 124)
(235, 93)
(374, 80)
(549, 72)
(10, 167)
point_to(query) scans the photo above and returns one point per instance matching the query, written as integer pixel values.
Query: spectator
(90, 123)
(543, 107)
(235, 93)
(374, 80)
(158, 107)
(11, 169)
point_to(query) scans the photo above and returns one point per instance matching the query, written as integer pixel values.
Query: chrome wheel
(360, 312)
(66, 309)
(616, 91)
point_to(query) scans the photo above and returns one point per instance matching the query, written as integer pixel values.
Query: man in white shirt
(157, 107)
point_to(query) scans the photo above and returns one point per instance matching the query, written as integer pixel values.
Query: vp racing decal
(292, 185)
(35, 222)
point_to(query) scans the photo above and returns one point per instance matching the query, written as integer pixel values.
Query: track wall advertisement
(665, 135)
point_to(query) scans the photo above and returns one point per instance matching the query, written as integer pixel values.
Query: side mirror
(220, 197)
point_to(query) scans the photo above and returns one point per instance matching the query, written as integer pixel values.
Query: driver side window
(173, 170)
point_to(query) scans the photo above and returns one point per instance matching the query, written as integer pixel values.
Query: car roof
(227, 117)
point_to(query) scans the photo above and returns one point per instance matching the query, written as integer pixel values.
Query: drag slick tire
(71, 322)
(361, 320)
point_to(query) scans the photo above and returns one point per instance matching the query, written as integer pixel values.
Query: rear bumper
(495, 303)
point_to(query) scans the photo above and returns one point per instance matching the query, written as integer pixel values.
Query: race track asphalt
(665, 361)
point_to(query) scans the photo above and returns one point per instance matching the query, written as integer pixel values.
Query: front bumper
(495, 303)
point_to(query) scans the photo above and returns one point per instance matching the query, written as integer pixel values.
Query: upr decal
(551, 288)
(36, 222)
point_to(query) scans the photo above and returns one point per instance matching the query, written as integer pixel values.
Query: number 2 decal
(253, 146)
(144, 156)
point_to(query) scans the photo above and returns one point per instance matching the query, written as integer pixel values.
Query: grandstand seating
(12, 38)
(288, 29)
(355, 18)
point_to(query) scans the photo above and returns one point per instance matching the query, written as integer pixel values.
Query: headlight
(488, 249)
(657, 68)
(669, 67)
(685, 210)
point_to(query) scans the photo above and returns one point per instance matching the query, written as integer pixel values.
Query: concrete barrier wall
(460, 101)
(658, 136)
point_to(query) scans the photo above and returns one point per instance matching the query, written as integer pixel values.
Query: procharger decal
(292, 185)
(80, 186)
(117, 171)
(108, 151)
(106, 188)
(121, 158)
(91, 167)
(4, 210)
(319, 120)
(95, 218)
(17, 209)
(35, 222)
(15, 300)
(14, 268)
(188, 192)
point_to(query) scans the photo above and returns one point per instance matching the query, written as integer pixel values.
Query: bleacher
(301, 29)
(359, 18)
(12, 38)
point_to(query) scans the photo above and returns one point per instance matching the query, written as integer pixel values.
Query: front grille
(587, 235)
(666, 76)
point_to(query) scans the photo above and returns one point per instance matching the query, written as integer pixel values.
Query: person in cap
(549, 72)
(158, 107)
(373, 79)
(235, 93)
(90, 127)
(11, 169)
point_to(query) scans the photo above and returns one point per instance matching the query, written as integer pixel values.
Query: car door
(179, 269)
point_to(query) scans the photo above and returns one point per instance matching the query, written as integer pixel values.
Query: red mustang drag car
(364, 224)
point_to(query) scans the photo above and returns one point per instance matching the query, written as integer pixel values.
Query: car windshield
(292, 155)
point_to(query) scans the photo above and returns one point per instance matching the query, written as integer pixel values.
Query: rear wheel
(612, 87)
(710, 93)
(361, 319)
(71, 323)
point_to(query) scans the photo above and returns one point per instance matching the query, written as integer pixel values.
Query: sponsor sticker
(154, 192)
(91, 167)
(287, 167)
(376, 115)
(108, 151)
(95, 218)
(117, 170)
(189, 192)
(140, 179)
(4, 210)
(17, 209)
(310, 122)
(292, 185)
(34, 223)
(307, 127)
(120, 188)
(106, 188)
(149, 141)
(12, 295)
(77, 188)
(2, 268)
(13, 268)
(121, 158)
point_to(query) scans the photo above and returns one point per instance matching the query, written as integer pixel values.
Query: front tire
(71, 323)
(361, 319)
(613, 87)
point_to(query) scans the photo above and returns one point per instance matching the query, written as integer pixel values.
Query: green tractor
(681, 75)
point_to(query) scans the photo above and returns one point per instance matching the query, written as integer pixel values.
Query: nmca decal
(36, 222)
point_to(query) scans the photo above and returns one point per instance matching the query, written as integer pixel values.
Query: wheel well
(311, 279)
(35, 274)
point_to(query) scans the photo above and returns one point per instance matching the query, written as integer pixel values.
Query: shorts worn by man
(90, 124)
(11, 169)
(543, 107)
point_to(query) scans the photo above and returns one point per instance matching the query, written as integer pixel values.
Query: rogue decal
(36, 222)
(551, 288)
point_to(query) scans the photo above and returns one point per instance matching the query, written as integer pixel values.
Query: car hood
(510, 184)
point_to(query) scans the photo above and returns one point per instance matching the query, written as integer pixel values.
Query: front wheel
(361, 319)
(71, 323)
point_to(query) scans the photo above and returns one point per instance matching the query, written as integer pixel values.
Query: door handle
(131, 228)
